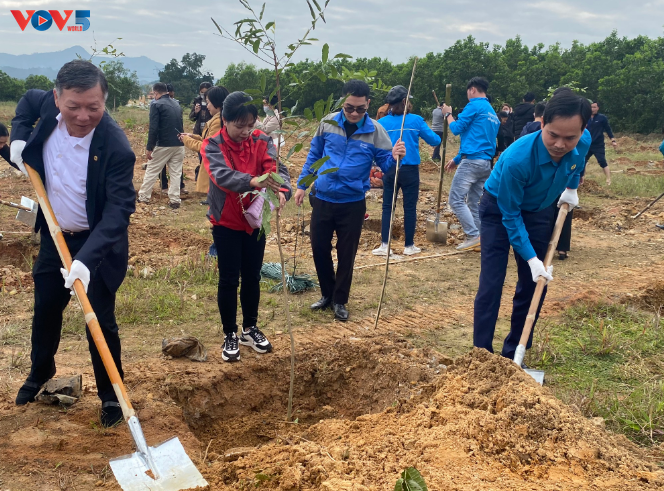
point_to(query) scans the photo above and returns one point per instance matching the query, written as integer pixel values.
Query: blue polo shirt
(526, 178)
(478, 126)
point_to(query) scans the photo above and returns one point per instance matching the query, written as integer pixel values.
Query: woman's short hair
(237, 110)
(3, 130)
(204, 85)
(397, 109)
(217, 95)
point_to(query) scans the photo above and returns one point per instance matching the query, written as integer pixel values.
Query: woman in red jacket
(234, 158)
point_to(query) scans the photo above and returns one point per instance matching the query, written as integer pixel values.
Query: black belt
(70, 233)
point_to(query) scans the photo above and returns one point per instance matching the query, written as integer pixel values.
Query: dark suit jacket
(111, 197)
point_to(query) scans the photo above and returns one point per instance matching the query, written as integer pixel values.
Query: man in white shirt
(87, 166)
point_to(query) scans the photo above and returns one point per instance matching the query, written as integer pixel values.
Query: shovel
(165, 467)
(437, 230)
(27, 211)
(520, 352)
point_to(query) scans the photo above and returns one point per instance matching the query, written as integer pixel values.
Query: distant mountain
(20, 66)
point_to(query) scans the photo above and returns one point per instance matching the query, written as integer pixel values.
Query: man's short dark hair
(237, 110)
(80, 75)
(595, 102)
(160, 88)
(169, 88)
(274, 101)
(529, 97)
(204, 85)
(480, 83)
(562, 89)
(539, 109)
(217, 95)
(503, 114)
(357, 88)
(3, 130)
(567, 105)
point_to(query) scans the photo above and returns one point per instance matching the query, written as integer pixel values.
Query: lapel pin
(95, 159)
(573, 167)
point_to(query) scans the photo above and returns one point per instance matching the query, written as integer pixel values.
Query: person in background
(234, 158)
(163, 148)
(517, 210)
(506, 108)
(437, 127)
(4, 143)
(505, 136)
(271, 122)
(523, 113)
(199, 111)
(164, 174)
(598, 125)
(535, 125)
(382, 111)
(478, 126)
(409, 171)
(353, 143)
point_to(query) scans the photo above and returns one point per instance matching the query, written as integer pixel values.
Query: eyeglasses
(353, 109)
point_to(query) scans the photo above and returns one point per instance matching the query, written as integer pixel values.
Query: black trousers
(495, 252)
(436, 149)
(346, 219)
(566, 233)
(51, 298)
(239, 254)
(600, 154)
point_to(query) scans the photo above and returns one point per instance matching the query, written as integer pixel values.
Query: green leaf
(263, 82)
(342, 55)
(317, 165)
(244, 21)
(399, 485)
(268, 25)
(295, 148)
(316, 4)
(291, 122)
(269, 112)
(307, 180)
(313, 14)
(318, 109)
(413, 480)
(303, 134)
(308, 114)
(326, 53)
(263, 177)
(331, 121)
(260, 17)
(257, 45)
(328, 171)
(277, 178)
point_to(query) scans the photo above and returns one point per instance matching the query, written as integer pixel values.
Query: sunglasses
(353, 109)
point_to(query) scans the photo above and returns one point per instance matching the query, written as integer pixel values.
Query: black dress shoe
(340, 312)
(322, 304)
(111, 414)
(27, 393)
(659, 225)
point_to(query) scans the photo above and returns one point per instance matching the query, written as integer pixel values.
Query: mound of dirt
(652, 298)
(488, 426)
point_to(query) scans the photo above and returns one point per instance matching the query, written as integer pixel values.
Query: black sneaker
(27, 393)
(230, 350)
(256, 339)
(111, 414)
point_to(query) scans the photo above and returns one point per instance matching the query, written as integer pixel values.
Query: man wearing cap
(337, 197)
(478, 126)
(409, 172)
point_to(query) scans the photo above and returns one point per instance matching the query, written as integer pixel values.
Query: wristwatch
(447, 115)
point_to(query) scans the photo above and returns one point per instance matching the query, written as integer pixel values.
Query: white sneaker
(382, 250)
(410, 250)
(469, 244)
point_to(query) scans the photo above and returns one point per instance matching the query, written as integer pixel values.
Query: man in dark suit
(87, 166)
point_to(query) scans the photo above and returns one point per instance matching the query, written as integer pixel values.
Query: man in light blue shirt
(478, 126)
(517, 209)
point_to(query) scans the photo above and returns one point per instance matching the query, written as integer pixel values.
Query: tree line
(625, 76)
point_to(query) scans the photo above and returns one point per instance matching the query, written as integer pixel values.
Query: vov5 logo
(42, 20)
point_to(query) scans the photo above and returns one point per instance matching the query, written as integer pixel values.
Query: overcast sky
(393, 29)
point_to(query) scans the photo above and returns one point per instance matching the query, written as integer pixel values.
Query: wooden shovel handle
(434, 96)
(448, 98)
(14, 205)
(541, 282)
(90, 317)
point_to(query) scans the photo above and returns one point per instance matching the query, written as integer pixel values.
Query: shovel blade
(28, 217)
(436, 231)
(176, 470)
(538, 375)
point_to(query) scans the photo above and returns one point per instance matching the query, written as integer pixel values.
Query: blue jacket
(478, 126)
(525, 178)
(598, 125)
(352, 156)
(414, 128)
(661, 148)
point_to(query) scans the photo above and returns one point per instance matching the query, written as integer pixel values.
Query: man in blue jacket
(337, 198)
(597, 126)
(517, 210)
(478, 126)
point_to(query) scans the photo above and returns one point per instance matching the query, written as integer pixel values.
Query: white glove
(15, 155)
(79, 271)
(537, 270)
(570, 197)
